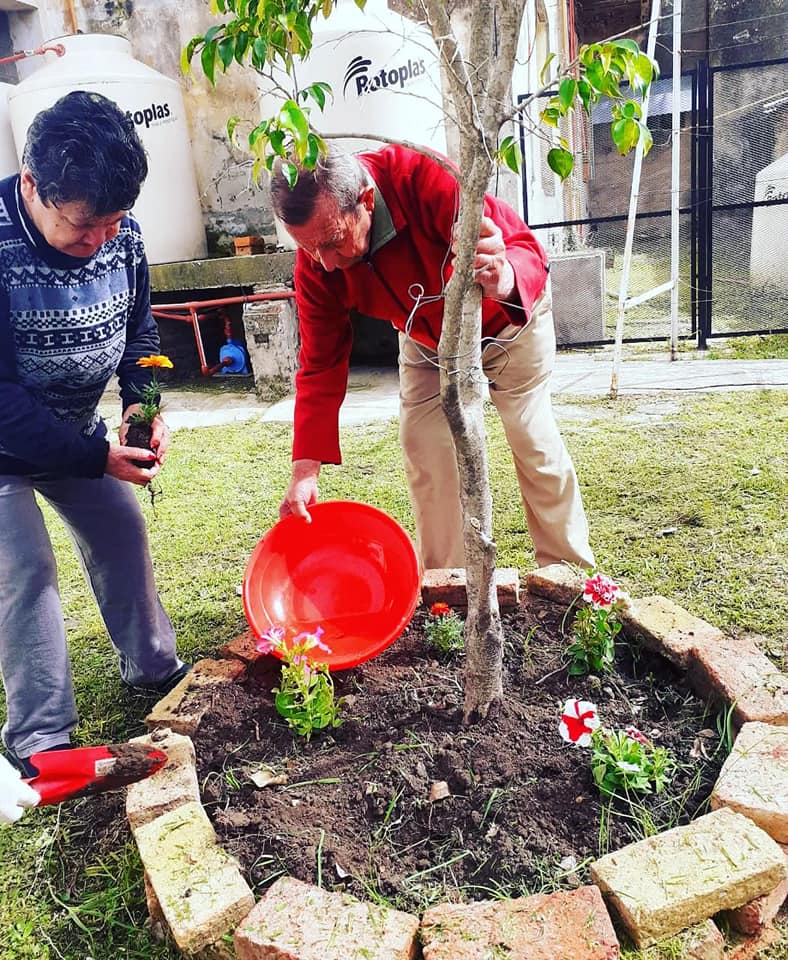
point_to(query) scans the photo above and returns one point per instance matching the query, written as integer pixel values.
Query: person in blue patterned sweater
(74, 311)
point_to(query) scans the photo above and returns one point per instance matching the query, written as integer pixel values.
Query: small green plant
(305, 697)
(596, 627)
(444, 629)
(626, 761)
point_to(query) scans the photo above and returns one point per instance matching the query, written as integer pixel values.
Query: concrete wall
(157, 30)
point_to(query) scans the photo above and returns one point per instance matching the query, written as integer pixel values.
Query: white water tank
(168, 207)
(384, 75)
(768, 262)
(8, 160)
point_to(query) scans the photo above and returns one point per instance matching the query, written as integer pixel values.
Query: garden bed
(405, 804)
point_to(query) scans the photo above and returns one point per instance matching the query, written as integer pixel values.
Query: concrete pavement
(373, 391)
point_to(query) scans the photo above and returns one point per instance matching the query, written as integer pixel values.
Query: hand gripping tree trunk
(481, 102)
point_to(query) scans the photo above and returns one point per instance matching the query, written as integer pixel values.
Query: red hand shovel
(84, 771)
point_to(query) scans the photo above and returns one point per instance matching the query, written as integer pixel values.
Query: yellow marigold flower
(155, 360)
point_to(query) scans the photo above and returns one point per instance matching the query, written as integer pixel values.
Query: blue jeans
(105, 523)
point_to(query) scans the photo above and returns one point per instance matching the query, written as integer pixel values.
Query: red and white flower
(578, 721)
(603, 593)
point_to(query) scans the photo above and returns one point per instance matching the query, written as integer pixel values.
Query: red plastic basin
(352, 571)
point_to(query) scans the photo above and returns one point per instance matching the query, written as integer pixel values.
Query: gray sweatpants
(107, 528)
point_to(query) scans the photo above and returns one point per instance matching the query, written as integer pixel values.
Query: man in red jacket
(374, 233)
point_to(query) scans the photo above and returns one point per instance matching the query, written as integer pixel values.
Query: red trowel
(84, 771)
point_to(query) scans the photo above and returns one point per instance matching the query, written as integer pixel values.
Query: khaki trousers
(519, 374)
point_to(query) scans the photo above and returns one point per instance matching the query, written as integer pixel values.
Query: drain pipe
(195, 310)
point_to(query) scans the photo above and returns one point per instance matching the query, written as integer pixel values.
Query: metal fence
(734, 210)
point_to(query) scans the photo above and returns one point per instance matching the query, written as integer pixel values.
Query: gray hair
(338, 176)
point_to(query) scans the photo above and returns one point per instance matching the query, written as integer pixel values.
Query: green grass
(712, 469)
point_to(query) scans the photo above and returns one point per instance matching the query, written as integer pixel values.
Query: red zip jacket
(416, 205)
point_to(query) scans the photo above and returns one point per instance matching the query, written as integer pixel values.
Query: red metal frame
(194, 310)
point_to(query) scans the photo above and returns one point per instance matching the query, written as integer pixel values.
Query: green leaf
(257, 167)
(509, 153)
(584, 92)
(241, 46)
(290, 173)
(303, 32)
(628, 109)
(625, 134)
(560, 161)
(646, 70)
(545, 68)
(208, 61)
(277, 141)
(567, 90)
(550, 116)
(646, 137)
(312, 151)
(293, 118)
(259, 49)
(232, 123)
(212, 31)
(187, 53)
(629, 45)
(226, 50)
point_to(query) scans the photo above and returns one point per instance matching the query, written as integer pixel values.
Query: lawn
(686, 497)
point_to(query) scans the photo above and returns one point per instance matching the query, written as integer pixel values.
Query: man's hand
(120, 466)
(302, 492)
(493, 272)
(160, 438)
(14, 795)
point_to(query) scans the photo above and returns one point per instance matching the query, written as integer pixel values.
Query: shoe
(163, 686)
(23, 764)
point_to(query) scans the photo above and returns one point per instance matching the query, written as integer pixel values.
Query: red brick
(542, 927)
(735, 671)
(668, 629)
(243, 648)
(449, 586)
(753, 916)
(558, 582)
(297, 921)
(180, 710)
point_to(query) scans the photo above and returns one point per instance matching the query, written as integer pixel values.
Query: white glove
(14, 795)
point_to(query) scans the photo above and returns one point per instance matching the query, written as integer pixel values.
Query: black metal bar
(709, 238)
(750, 204)
(746, 66)
(693, 206)
(616, 218)
(702, 133)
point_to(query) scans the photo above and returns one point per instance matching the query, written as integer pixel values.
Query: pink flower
(634, 734)
(578, 722)
(271, 640)
(310, 640)
(602, 592)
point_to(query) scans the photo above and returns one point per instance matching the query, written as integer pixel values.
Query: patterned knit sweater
(67, 324)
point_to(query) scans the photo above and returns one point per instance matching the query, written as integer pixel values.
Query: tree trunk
(480, 102)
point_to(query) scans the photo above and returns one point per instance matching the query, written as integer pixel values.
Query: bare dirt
(356, 809)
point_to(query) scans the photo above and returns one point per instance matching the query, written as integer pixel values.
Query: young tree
(277, 34)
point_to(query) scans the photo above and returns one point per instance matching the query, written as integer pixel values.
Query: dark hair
(337, 175)
(85, 149)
